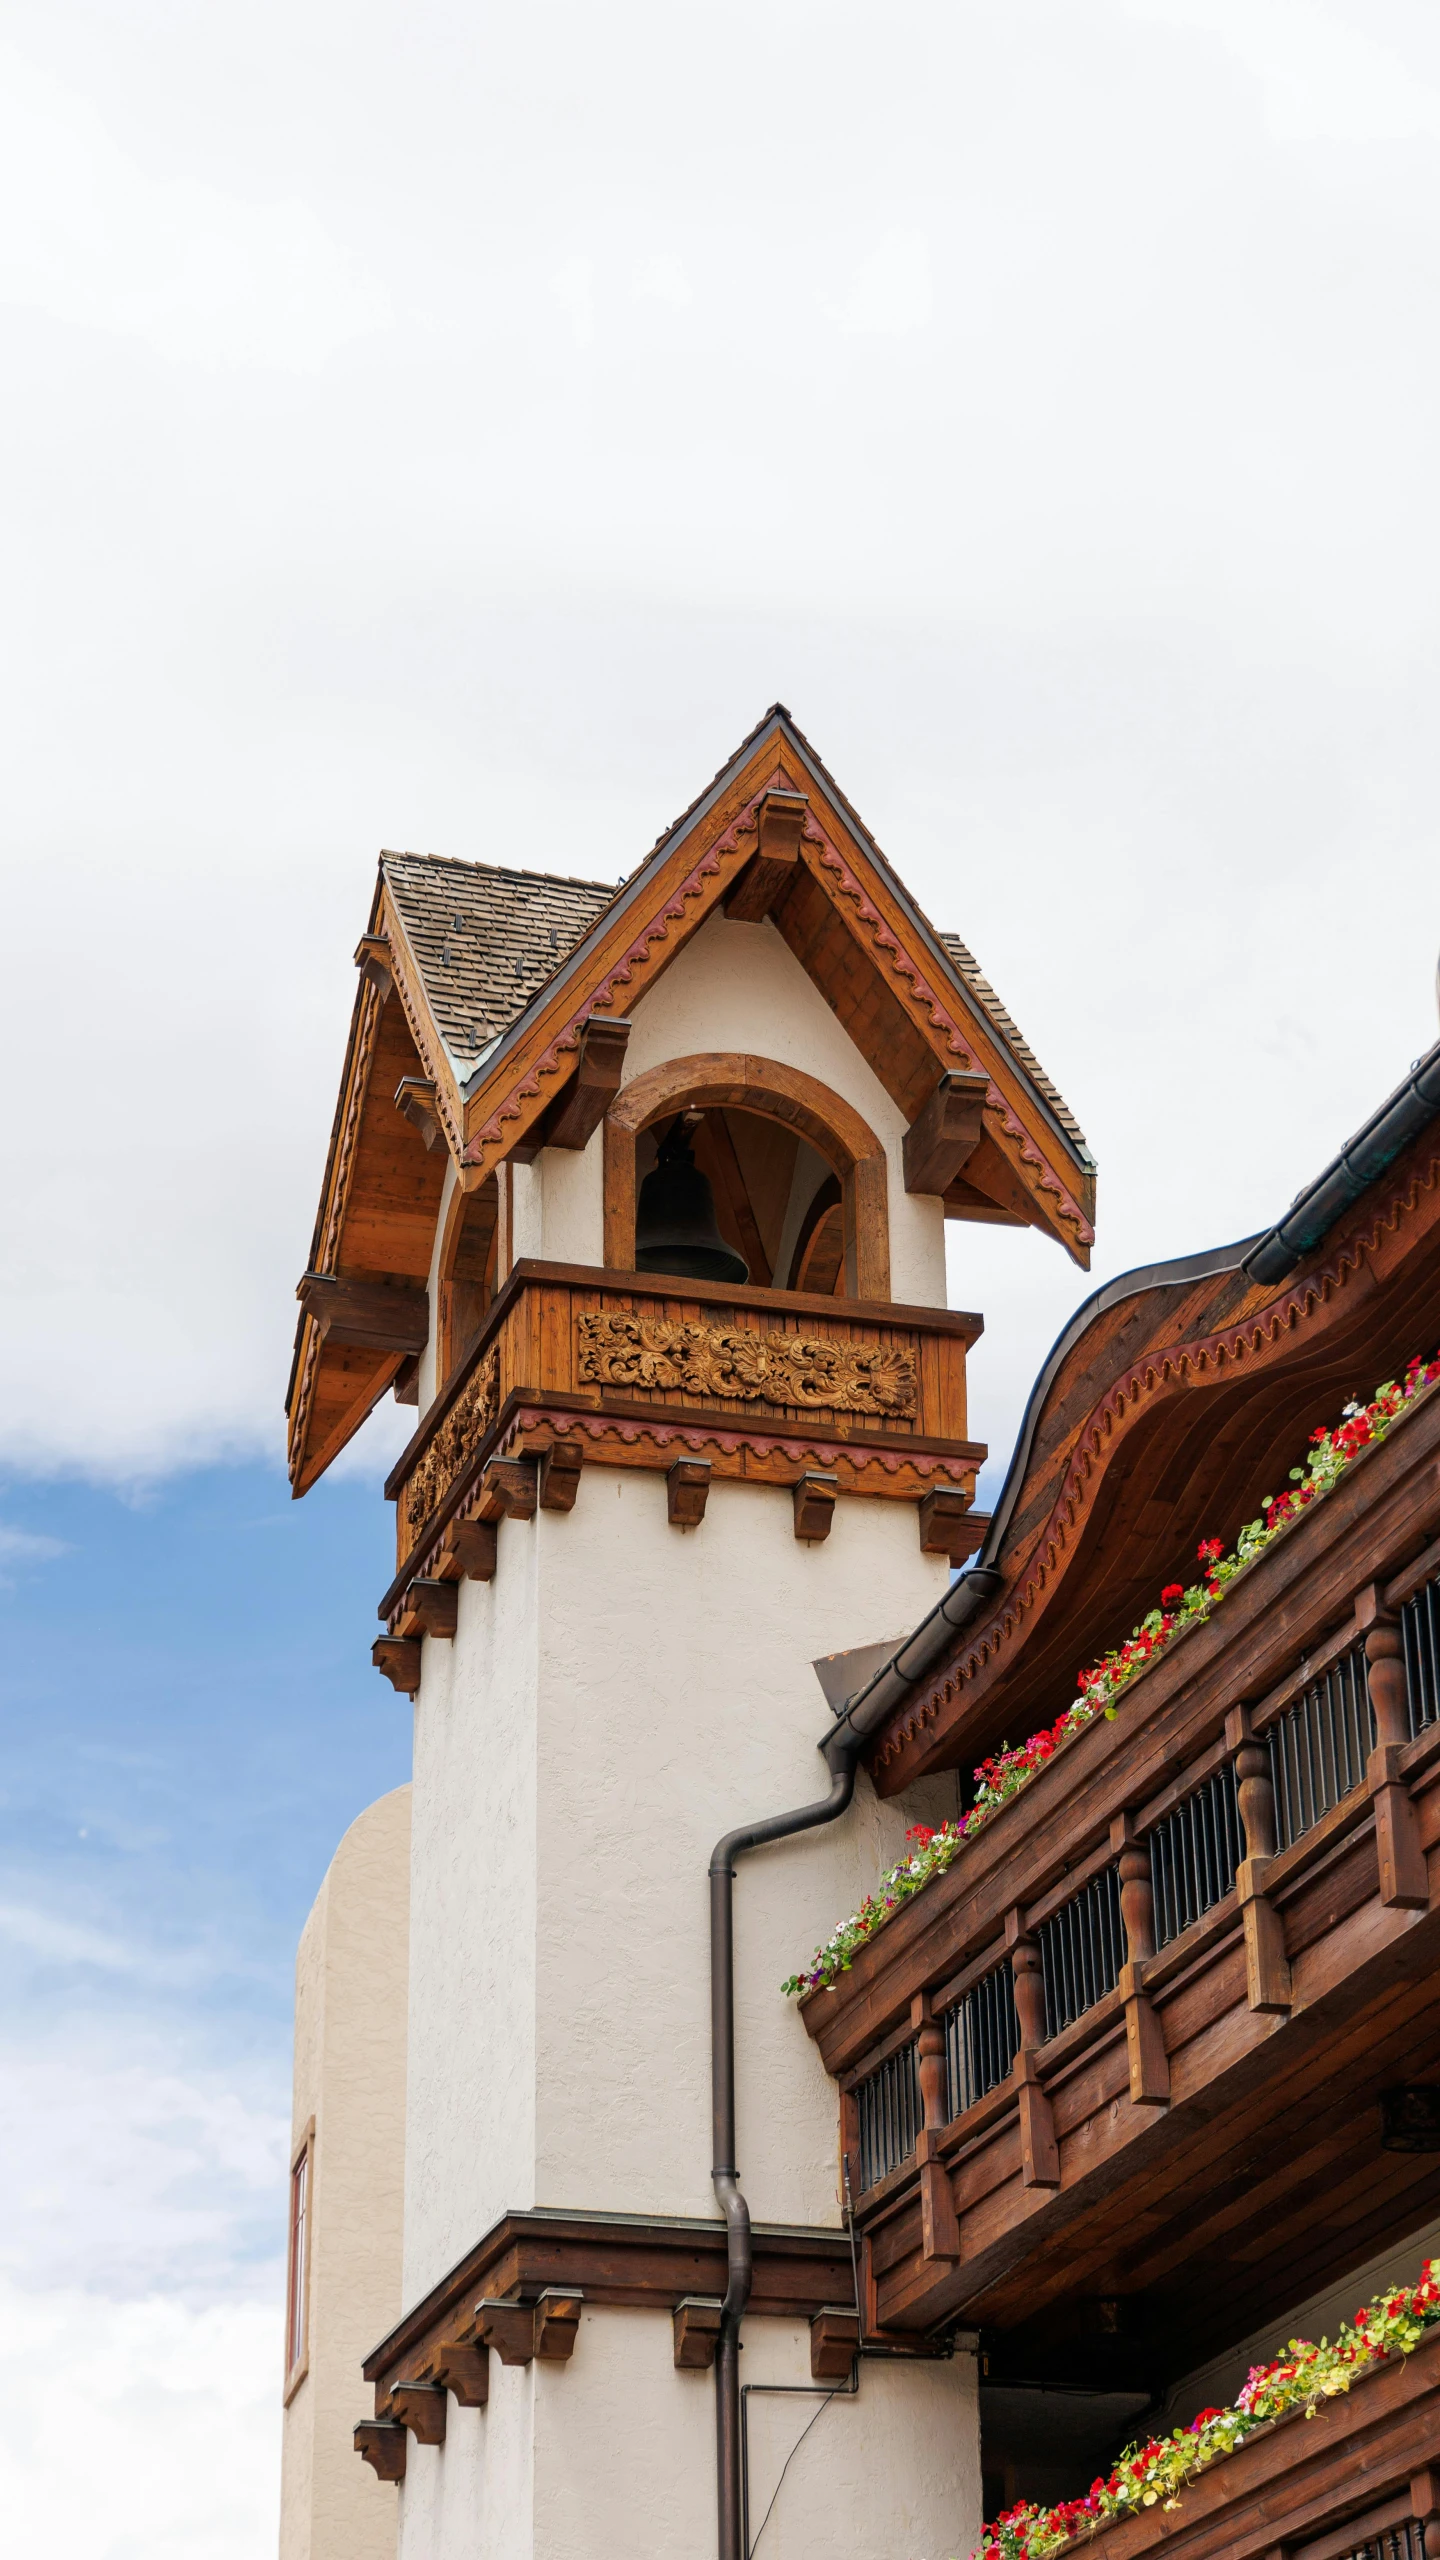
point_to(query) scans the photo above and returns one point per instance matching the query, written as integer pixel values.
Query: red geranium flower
(1172, 1592)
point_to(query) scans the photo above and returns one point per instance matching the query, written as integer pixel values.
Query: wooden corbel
(557, 2319)
(696, 2322)
(372, 959)
(463, 2370)
(948, 1524)
(815, 1497)
(946, 1133)
(405, 1387)
(383, 2443)
(368, 1315)
(1039, 2151)
(1404, 1881)
(471, 1545)
(780, 823)
(415, 1100)
(520, 2332)
(587, 1097)
(559, 1475)
(509, 1489)
(834, 2342)
(434, 1606)
(1149, 2065)
(420, 2408)
(687, 1490)
(399, 1658)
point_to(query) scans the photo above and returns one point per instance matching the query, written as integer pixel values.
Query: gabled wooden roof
(497, 971)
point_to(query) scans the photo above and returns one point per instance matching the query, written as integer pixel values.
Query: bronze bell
(675, 1226)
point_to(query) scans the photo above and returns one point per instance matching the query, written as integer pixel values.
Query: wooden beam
(399, 1658)
(473, 1545)
(592, 1088)
(420, 2408)
(815, 1495)
(948, 1525)
(434, 1605)
(508, 1489)
(372, 959)
(406, 1385)
(780, 820)
(715, 1155)
(415, 1100)
(687, 1490)
(946, 1133)
(368, 1315)
(383, 2443)
(834, 2343)
(696, 2321)
(557, 2320)
(508, 2327)
(465, 2370)
(559, 1477)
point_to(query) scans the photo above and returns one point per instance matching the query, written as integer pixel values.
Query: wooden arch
(728, 1080)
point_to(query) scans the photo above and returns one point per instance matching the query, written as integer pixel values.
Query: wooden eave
(869, 951)
(1174, 1412)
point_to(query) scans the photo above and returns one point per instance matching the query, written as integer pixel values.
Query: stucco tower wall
(351, 1982)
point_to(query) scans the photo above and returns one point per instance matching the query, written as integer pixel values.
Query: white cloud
(573, 286)
(891, 293)
(1322, 80)
(142, 2430)
(89, 236)
(661, 279)
(24, 1546)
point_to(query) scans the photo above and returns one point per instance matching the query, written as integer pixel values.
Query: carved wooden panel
(811, 1371)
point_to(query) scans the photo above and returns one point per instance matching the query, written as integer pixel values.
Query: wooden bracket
(557, 2319)
(415, 1097)
(582, 1106)
(834, 2343)
(420, 2408)
(815, 1496)
(434, 1605)
(687, 1490)
(399, 1658)
(383, 2443)
(696, 2322)
(508, 2327)
(465, 2370)
(946, 1133)
(508, 1489)
(372, 959)
(559, 1476)
(366, 1315)
(780, 823)
(472, 1545)
(949, 1526)
(406, 1384)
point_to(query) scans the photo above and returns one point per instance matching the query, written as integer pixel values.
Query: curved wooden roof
(1173, 1404)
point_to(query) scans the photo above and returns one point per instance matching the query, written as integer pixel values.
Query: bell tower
(640, 1197)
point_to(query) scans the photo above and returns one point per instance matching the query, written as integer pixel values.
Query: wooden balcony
(1121, 2081)
(831, 1397)
(1358, 2481)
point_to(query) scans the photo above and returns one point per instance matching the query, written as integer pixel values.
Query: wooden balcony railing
(1133, 2046)
(574, 1365)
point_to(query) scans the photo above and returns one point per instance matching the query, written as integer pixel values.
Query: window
(297, 2302)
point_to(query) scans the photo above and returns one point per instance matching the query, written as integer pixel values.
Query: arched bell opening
(467, 1274)
(733, 1166)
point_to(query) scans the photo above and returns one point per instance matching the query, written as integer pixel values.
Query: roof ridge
(502, 870)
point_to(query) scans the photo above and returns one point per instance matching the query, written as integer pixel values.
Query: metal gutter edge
(1315, 1210)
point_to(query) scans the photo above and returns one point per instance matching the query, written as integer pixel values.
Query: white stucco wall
(350, 2027)
(614, 2453)
(621, 1694)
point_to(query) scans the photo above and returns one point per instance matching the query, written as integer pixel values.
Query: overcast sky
(449, 429)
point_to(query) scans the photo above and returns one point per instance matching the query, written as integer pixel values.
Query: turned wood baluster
(940, 2228)
(1149, 2069)
(1040, 2155)
(1267, 1970)
(1404, 1884)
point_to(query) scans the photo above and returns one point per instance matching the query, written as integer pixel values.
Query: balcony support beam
(1149, 2067)
(1039, 2151)
(939, 2223)
(1404, 1880)
(1267, 1970)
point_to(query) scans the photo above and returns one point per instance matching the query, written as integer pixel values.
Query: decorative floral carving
(455, 1443)
(809, 1370)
